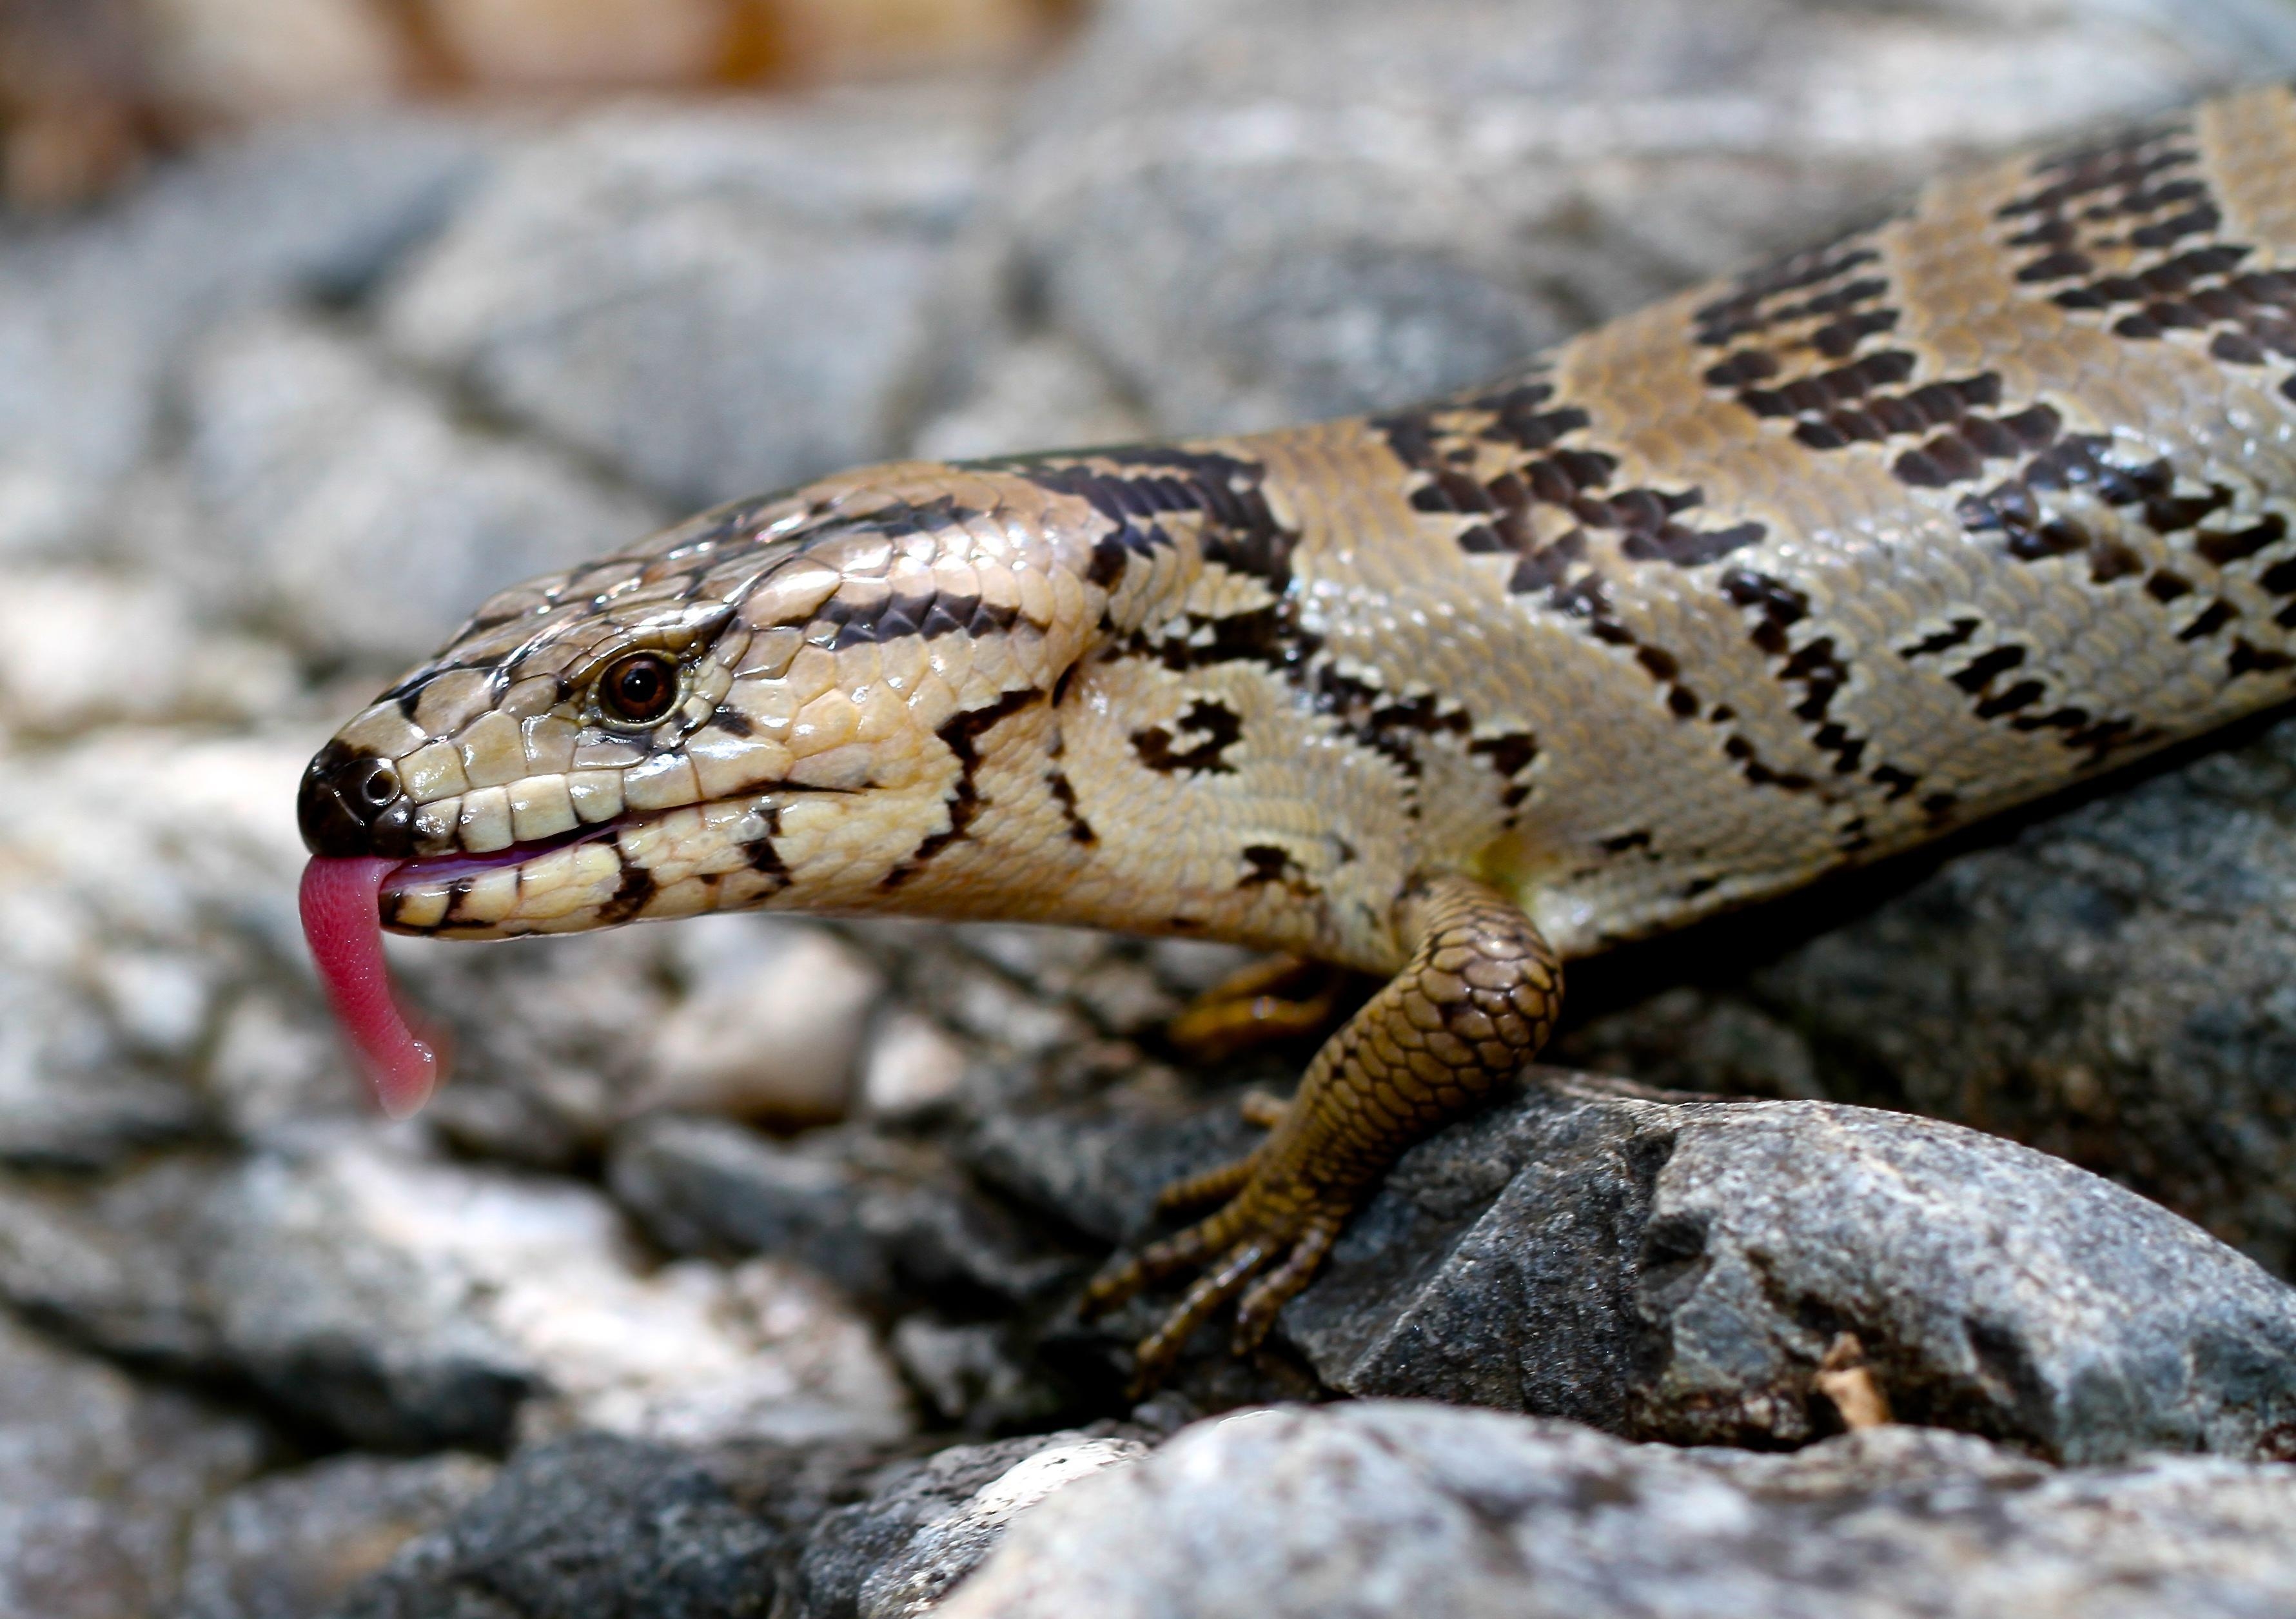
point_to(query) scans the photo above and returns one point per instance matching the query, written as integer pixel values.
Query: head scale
(784, 702)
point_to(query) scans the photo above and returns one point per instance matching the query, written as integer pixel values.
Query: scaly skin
(1771, 580)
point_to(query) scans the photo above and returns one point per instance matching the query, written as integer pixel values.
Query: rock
(978, 1377)
(912, 1068)
(1678, 1271)
(348, 503)
(150, 887)
(1392, 1508)
(1277, 209)
(405, 1302)
(560, 1040)
(886, 1220)
(716, 301)
(586, 1528)
(91, 319)
(1035, 393)
(100, 1477)
(929, 1523)
(1097, 1166)
(766, 1034)
(2111, 985)
(50, 686)
(287, 1545)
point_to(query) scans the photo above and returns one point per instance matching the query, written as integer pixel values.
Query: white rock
(420, 1264)
(1382, 1509)
(769, 1027)
(912, 1066)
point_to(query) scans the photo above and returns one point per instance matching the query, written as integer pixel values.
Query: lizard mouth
(342, 901)
(426, 871)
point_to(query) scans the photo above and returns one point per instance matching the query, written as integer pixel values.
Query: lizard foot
(1279, 999)
(1266, 1223)
(1224, 1181)
(1469, 1007)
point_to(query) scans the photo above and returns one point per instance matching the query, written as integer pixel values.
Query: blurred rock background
(91, 89)
(731, 1274)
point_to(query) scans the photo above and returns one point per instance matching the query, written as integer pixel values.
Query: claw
(1472, 1005)
(1230, 1247)
(1161, 1348)
(1123, 1279)
(1116, 1283)
(1255, 1315)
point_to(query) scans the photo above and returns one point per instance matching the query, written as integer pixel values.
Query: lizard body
(1773, 578)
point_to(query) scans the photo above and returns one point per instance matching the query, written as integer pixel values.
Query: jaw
(675, 863)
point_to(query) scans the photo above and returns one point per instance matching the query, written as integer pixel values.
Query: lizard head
(781, 703)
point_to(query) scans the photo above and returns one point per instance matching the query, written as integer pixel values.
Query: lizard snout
(351, 804)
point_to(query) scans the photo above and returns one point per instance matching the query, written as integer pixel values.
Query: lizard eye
(638, 689)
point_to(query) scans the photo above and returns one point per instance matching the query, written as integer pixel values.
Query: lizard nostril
(380, 786)
(353, 805)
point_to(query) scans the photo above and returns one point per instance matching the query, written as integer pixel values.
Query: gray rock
(91, 319)
(124, 945)
(288, 1545)
(927, 1523)
(407, 1303)
(1268, 209)
(559, 1041)
(1391, 1508)
(716, 301)
(977, 1376)
(886, 1220)
(157, 983)
(1038, 392)
(100, 1478)
(589, 1527)
(186, 671)
(2112, 984)
(769, 1034)
(349, 505)
(1679, 1271)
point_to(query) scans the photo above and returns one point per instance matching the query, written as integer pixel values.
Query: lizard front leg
(1471, 1006)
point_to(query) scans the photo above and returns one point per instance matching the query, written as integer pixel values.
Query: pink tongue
(342, 923)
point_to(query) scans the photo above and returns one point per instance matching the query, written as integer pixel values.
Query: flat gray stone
(2116, 985)
(716, 301)
(589, 1527)
(351, 503)
(1678, 1271)
(887, 1223)
(1393, 1509)
(92, 319)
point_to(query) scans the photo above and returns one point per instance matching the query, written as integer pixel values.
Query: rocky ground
(734, 1273)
